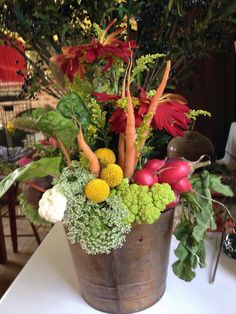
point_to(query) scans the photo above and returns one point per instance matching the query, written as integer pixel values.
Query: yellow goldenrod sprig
(193, 114)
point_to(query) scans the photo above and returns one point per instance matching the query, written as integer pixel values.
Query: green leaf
(199, 232)
(193, 261)
(182, 230)
(54, 124)
(171, 4)
(230, 20)
(38, 112)
(144, 63)
(201, 253)
(217, 186)
(181, 252)
(196, 218)
(37, 169)
(229, 9)
(183, 271)
(180, 10)
(72, 106)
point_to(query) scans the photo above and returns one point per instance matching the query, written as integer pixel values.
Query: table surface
(48, 284)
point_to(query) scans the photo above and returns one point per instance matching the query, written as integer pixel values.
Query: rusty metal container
(131, 278)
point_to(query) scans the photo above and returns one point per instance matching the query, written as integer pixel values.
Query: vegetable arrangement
(107, 174)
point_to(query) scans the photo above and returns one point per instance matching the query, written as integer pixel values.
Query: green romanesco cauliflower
(162, 194)
(144, 204)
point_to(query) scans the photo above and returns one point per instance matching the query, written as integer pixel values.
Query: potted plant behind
(116, 200)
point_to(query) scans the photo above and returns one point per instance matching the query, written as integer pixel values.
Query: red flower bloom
(171, 115)
(101, 97)
(71, 61)
(118, 120)
(144, 101)
(74, 58)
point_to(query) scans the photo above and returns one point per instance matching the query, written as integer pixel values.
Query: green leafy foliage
(37, 169)
(54, 124)
(72, 106)
(197, 217)
(144, 63)
(182, 30)
(217, 186)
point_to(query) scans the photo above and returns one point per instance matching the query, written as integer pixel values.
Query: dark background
(212, 88)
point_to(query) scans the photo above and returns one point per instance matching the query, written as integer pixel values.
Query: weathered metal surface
(131, 278)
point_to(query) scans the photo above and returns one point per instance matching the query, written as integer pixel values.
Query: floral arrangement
(101, 149)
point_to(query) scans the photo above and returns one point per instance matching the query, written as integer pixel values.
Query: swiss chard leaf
(37, 169)
(54, 124)
(72, 106)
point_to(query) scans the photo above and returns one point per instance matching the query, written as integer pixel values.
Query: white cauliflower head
(52, 205)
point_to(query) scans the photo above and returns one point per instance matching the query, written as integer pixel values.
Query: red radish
(174, 171)
(182, 186)
(154, 164)
(175, 202)
(144, 177)
(155, 179)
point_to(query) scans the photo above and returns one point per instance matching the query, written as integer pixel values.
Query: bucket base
(129, 279)
(139, 308)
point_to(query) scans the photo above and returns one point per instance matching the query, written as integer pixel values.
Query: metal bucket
(131, 278)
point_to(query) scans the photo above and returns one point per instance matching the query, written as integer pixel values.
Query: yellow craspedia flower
(105, 156)
(10, 127)
(55, 37)
(112, 174)
(97, 190)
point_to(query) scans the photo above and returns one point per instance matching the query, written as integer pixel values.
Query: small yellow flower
(105, 155)
(120, 1)
(92, 129)
(112, 174)
(133, 24)
(55, 37)
(123, 102)
(97, 190)
(10, 127)
(86, 24)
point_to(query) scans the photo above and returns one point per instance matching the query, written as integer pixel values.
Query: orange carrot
(94, 165)
(130, 133)
(155, 99)
(121, 149)
(121, 142)
(154, 103)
